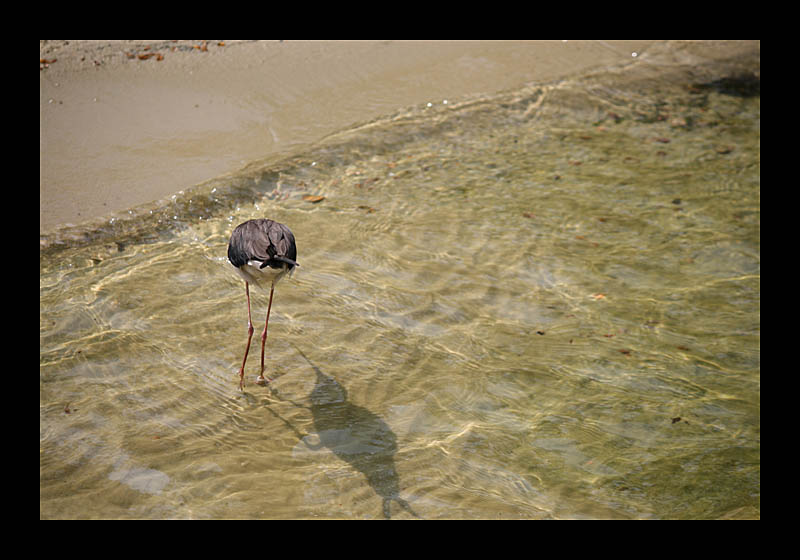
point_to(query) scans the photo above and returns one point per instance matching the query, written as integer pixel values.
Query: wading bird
(263, 251)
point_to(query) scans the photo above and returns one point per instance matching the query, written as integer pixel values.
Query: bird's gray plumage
(263, 240)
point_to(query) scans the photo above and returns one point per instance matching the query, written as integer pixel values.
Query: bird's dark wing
(262, 240)
(282, 241)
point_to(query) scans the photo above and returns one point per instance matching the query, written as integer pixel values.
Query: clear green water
(541, 304)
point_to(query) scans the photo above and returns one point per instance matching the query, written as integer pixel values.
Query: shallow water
(540, 304)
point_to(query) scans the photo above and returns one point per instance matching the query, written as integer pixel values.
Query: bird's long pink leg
(261, 379)
(249, 336)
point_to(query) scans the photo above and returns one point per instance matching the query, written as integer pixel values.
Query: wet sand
(124, 123)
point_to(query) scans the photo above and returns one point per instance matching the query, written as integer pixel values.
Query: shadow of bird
(357, 436)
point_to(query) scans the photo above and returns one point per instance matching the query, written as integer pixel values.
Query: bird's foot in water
(261, 380)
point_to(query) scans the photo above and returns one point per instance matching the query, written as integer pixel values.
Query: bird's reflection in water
(357, 436)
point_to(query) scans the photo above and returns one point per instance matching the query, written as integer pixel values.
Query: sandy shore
(122, 123)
